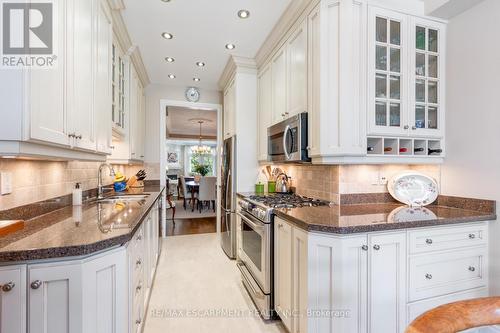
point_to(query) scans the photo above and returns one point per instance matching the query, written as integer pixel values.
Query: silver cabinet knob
(472, 268)
(376, 247)
(139, 237)
(287, 113)
(138, 262)
(472, 236)
(428, 276)
(282, 114)
(428, 241)
(138, 322)
(36, 284)
(280, 225)
(364, 248)
(413, 127)
(71, 135)
(8, 287)
(406, 126)
(79, 136)
(138, 288)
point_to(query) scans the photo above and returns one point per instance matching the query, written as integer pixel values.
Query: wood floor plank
(203, 225)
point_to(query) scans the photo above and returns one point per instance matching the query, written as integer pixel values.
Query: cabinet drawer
(417, 308)
(446, 273)
(447, 238)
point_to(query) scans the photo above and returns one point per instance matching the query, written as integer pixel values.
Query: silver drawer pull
(376, 247)
(138, 322)
(138, 288)
(8, 287)
(139, 237)
(428, 276)
(428, 241)
(36, 284)
(138, 262)
(364, 248)
(472, 268)
(472, 236)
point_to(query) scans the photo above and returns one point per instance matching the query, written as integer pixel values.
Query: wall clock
(192, 94)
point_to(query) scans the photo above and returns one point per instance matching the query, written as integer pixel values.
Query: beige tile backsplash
(40, 180)
(329, 181)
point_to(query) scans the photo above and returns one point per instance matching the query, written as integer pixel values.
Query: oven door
(256, 249)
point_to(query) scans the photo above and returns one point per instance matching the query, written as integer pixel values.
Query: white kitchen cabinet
(406, 66)
(104, 281)
(53, 113)
(55, 298)
(283, 274)
(103, 79)
(265, 111)
(296, 54)
(278, 89)
(13, 299)
(229, 110)
(386, 282)
(299, 280)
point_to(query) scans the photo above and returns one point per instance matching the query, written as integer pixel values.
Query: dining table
(193, 187)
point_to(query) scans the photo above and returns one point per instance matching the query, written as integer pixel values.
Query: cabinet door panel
(229, 110)
(279, 78)
(283, 271)
(55, 303)
(47, 91)
(265, 111)
(388, 75)
(299, 283)
(387, 283)
(297, 71)
(103, 98)
(13, 302)
(105, 297)
(81, 99)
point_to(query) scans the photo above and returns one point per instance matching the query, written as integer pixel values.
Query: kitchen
(341, 102)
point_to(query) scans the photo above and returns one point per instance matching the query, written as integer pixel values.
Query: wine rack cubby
(407, 147)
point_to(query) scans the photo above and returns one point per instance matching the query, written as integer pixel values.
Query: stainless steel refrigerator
(228, 197)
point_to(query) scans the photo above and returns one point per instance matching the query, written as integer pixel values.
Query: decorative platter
(413, 188)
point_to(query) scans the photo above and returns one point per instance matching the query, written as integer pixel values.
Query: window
(193, 160)
(118, 88)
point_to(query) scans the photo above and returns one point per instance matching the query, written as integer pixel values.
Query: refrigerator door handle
(227, 189)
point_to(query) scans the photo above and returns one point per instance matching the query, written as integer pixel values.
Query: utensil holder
(259, 188)
(271, 186)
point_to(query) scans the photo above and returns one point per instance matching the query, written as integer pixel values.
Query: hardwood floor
(202, 225)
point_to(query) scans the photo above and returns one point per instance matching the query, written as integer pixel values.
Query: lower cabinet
(104, 293)
(373, 282)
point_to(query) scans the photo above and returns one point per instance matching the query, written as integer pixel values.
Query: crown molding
(276, 37)
(234, 65)
(121, 33)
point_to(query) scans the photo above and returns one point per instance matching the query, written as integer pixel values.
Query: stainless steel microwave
(287, 140)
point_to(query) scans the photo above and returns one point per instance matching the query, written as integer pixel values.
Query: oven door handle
(285, 151)
(255, 226)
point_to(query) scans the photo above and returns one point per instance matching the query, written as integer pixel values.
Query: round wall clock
(192, 94)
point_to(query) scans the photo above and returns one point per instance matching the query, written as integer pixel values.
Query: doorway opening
(189, 166)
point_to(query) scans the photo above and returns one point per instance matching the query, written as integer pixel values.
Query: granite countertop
(379, 216)
(71, 231)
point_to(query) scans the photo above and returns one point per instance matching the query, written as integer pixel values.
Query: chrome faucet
(100, 188)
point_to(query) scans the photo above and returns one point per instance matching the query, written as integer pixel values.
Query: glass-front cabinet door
(427, 86)
(387, 78)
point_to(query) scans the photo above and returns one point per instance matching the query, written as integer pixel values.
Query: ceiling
(184, 122)
(201, 29)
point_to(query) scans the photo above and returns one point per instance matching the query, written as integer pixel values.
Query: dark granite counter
(359, 217)
(71, 231)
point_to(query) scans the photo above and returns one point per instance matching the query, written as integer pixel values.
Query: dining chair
(207, 192)
(480, 314)
(170, 203)
(183, 189)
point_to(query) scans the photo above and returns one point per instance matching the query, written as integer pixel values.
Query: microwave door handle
(287, 155)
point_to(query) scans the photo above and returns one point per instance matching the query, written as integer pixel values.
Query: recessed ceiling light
(243, 13)
(169, 59)
(230, 46)
(167, 35)
(165, 0)
(200, 64)
(171, 76)
(196, 79)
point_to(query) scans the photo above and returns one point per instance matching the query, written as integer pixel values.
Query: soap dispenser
(77, 195)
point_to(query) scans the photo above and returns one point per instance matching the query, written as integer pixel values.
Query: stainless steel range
(257, 244)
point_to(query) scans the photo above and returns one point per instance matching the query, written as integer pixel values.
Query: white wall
(154, 93)
(472, 165)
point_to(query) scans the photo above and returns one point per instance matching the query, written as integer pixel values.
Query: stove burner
(287, 201)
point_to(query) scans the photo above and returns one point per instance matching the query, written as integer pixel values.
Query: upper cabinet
(229, 110)
(371, 80)
(265, 106)
(65, 111)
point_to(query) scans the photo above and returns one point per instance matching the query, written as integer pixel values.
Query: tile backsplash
(328, 182)
(34, 181)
